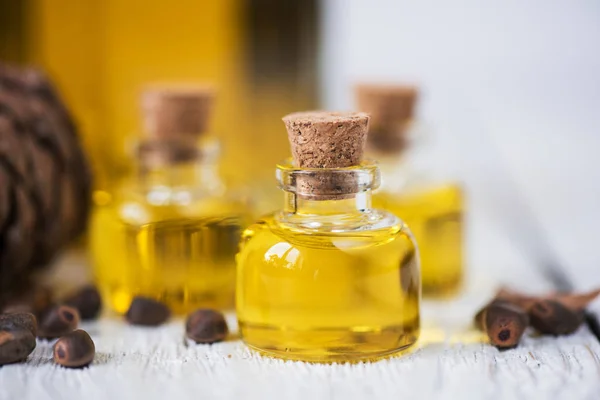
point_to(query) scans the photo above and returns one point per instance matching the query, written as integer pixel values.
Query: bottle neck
(401, 159)
(181, 174)
(355, 204)
(176, 164)
(395, 142)
(327, 199)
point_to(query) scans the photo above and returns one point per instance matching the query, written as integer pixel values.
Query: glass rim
(328, 183)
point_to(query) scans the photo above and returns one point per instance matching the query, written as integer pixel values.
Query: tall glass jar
(328, 278)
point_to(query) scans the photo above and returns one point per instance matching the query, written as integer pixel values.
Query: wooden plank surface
(451, 361)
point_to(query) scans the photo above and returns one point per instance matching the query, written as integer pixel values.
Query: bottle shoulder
(138, 204)
(425, 193)
(378, 223)
(269, 232)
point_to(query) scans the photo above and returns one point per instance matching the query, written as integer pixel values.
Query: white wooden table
(451, 360)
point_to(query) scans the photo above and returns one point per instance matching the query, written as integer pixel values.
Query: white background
(515, 85)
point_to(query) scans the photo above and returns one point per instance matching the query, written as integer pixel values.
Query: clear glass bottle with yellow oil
(171, 231)
(431, 204)
(328, 278)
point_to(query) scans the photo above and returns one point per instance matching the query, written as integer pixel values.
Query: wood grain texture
(155, 363)
(451, 361)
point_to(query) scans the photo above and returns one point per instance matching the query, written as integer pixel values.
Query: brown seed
(87, 301)
(74, 350)
(554, 318)
(15, 345)
(19, 320)
(503, 322)
(59, 321)
(206, 326)
(146, 311)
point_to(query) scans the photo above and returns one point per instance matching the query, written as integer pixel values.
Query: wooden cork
(327, 140)
(176, 112)
(321, 139)
(392, 109)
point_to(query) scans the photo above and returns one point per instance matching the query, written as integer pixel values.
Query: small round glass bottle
(414, 187)
(170, 231)
(328, 278)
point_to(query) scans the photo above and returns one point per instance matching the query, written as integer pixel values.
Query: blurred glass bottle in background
(171, 231)
(430, 203)
(261, 54)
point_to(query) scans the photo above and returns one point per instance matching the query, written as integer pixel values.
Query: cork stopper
(176, 112)
(392, 109)
(321, 139)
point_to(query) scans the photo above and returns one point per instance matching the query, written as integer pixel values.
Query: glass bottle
(328, 278)
(170, 231)
(413, 187)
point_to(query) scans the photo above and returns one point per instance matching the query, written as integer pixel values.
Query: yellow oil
(435, 216)
(327, 297)
(183, 255)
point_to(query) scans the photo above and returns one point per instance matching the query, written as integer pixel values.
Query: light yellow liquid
(327, 297)
(435, 216)
(181, 257)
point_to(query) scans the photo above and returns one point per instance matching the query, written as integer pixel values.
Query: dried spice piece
(147, 312)
(561, 313)
(15, 345)
(503, 322)
(552, 317)
(19, 320)
(554, 314)
(206, 326)
(74, 350)
(87, 301)
(577, 301)
(59, 321)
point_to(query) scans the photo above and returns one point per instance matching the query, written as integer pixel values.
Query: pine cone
(44, 175)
